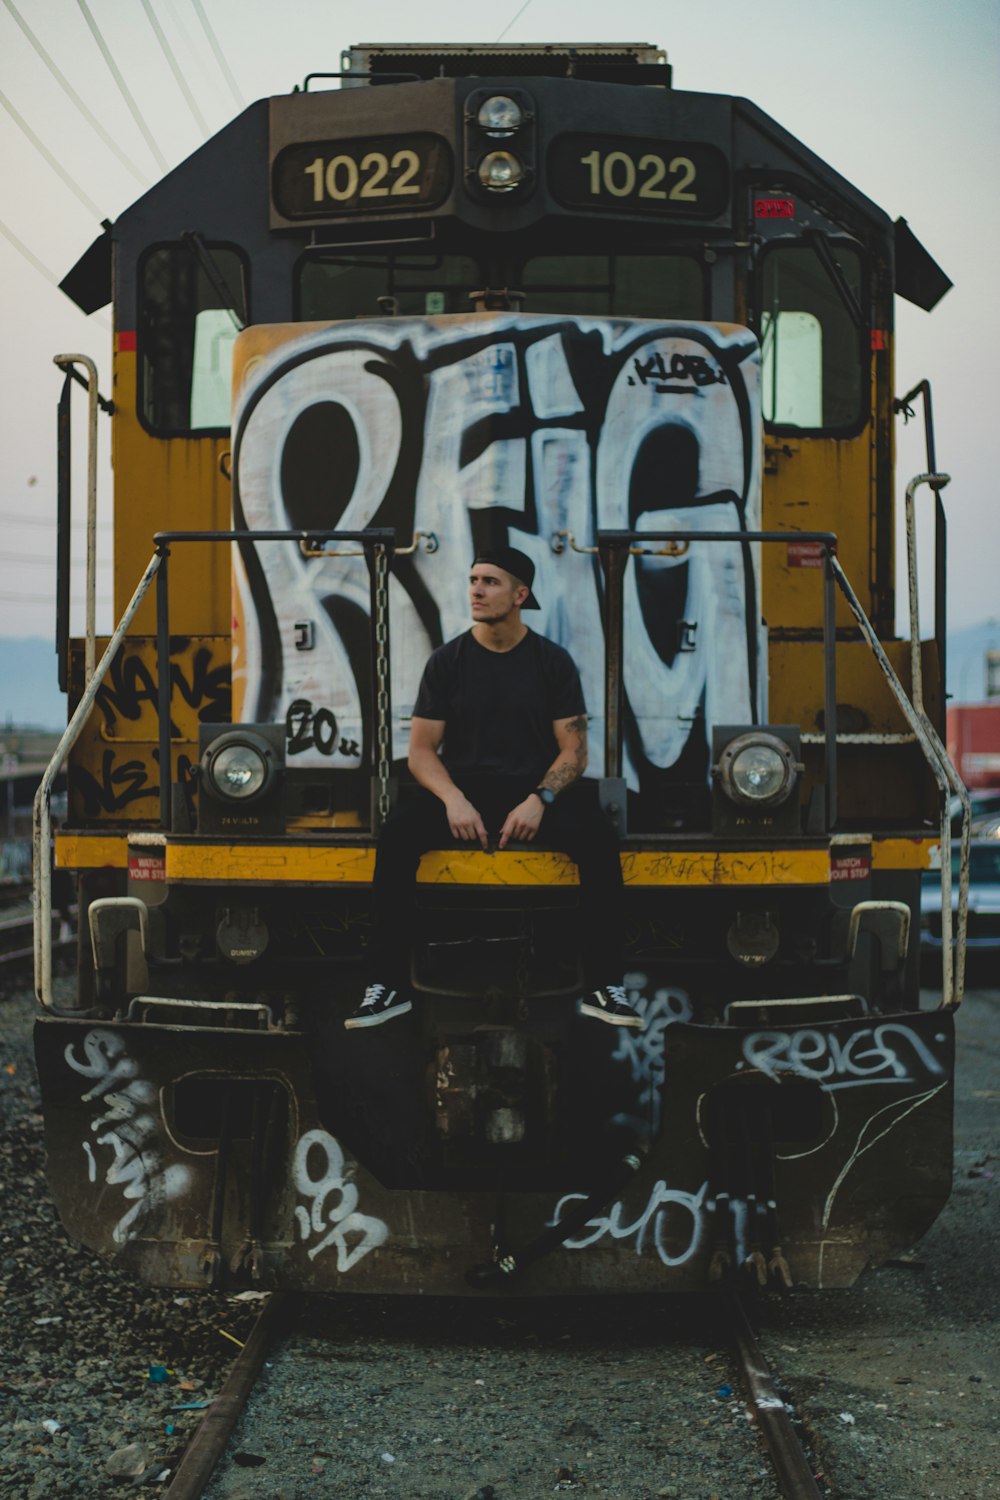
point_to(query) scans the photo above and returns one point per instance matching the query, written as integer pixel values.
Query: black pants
(574, 824)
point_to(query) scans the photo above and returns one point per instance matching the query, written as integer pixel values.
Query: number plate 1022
(633, 175)
(323, 179)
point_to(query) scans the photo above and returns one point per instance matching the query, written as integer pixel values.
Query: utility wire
(123, 88)
(179, 78)
(510, 23)
(44, 521)
(199, 10)
(68, 88)
(32, 260)
(56, 166)
(42, 270)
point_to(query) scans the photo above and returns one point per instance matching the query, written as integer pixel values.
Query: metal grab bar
(947, 779)
(68, 362)
(41, 822)
(937, 483)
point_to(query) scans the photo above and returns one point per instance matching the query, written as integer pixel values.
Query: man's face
(493, 594)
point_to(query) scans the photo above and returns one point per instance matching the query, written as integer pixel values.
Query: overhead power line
(123, 88)
(56, 165)
(513, 18)
(31, 258)
(70, 91)
(219, 55)
(179, 78)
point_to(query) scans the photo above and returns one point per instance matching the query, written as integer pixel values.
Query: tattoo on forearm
(561, 777)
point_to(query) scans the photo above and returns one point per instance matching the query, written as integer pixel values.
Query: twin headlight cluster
(755, 775)
(489, 120)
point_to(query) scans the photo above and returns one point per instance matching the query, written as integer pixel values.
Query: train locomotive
(443, 299)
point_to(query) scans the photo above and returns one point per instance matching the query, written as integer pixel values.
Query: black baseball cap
(517, 564)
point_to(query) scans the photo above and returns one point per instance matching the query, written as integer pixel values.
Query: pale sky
(900, 96)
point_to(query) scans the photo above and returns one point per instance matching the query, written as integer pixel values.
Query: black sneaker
(609, 1004)
(380, 1004)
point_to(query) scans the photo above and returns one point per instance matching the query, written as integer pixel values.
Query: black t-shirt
(498, 706)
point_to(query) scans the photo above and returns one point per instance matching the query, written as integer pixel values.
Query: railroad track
(17, 935)
(793, 1471)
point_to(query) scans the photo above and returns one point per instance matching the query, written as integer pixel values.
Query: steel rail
(792, 1468)
(213, 1432)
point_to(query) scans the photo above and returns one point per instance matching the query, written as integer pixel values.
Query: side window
(191, 307)
(813, 376)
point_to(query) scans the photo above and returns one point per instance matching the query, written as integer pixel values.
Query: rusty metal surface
(199, 1156)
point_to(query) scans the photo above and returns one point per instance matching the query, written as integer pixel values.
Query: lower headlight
(500, 171)
(757, 770)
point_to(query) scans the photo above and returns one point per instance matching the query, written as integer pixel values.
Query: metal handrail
(946, 776)
(41, 824)
(68, 362)
(937, 483)
(380, 542)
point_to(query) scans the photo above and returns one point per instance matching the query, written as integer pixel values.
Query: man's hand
(522, 821)
(463, 819)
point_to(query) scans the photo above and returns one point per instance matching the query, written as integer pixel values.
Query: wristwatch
(546, 793)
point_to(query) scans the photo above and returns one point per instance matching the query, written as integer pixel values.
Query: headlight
(500, 171)
(238, 766)
(757, 770)
(238, 771)
(500, 115)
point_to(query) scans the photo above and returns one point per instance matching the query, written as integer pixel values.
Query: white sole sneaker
(636, 1023)
(354, 1023)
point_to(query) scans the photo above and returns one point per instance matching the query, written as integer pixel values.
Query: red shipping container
(974, 743)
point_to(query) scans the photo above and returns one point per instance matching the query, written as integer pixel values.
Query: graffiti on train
(642, 1051)
(891, 1052)
(127, 1126)
(672, 1223)
(518, 430)
(323, 1179)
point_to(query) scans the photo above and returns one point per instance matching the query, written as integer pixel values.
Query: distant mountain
(967, 660)
(29, 684)
(29, 693)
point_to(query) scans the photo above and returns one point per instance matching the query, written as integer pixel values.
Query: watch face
(547, 795)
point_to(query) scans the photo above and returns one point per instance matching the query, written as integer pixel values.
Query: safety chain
(382, 676)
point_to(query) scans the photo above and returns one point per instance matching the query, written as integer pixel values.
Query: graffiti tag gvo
(509, 430)
(666, 1209)
(332, 1218)
(127, 1127)
(888, 1053)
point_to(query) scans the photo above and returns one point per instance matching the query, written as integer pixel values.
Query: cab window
(349, 286)
(624, 286)
(813, 374)
(191, 307)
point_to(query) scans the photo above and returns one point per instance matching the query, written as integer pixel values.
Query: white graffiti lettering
(643, 1050)
(888, 1053)
(543, 425)
(334, 1199)
(653, 1223)
(128, 1127)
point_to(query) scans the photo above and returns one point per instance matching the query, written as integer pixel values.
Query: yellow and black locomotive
(475, 297)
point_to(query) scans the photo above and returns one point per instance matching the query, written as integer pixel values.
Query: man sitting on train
(498, 741)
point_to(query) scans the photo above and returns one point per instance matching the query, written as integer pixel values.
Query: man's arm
(431, 772)
(522, 822)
